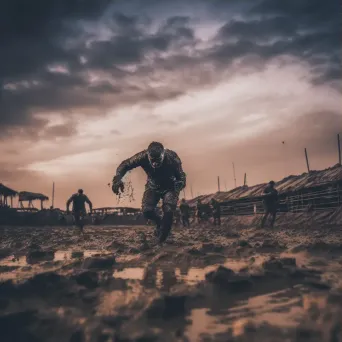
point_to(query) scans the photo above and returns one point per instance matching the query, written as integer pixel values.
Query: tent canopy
(31, 196)
(5, 191)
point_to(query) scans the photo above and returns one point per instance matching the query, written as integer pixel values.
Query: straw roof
(5, 191)
(31, 196)
(289, 184)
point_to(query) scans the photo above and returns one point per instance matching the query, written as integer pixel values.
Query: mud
(206, 283)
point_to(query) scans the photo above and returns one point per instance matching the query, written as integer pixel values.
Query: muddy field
(205, 284)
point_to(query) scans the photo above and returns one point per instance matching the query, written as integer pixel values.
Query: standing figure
(270, 202)
(165, 180)
(216, 211)
(199, 211)
(78, 207)
(185, 213)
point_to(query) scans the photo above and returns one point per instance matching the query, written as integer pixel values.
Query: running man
(78, 207)
(165, 180)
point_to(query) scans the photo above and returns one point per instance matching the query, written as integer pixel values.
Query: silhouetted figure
(165, 180)
(177, 216)
(78, 207)
(270, 202)
(199, 211)
(185, 213)
(216, 212)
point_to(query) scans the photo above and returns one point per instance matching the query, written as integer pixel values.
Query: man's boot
(166, 226)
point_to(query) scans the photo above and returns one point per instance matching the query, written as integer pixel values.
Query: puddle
(282, 309)
(21, 261)
(203, 324)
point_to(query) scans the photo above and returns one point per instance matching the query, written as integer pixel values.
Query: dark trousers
(150, 200)
(185, 221)
(79, 218)
(217, 220)
(269, 210)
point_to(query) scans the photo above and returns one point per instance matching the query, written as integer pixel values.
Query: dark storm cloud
(38, 35)
(308, 29)
(32, 45)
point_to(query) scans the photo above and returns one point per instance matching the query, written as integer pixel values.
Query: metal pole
(234, 175)
(53, 194)
(245, 180)
(218, 183)
(339, 149)
(307, 160)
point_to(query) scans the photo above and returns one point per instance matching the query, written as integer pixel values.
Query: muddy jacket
(162, 178)
(216, 209)
(78, 202)
(271, 198)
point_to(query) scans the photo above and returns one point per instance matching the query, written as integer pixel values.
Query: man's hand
(179, 185)
(117, 186)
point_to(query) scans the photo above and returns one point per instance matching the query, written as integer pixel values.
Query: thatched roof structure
(290, 184)
(7, 192)
(31, 196)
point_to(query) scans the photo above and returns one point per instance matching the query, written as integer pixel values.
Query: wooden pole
(53, 194)
(245, 180)
(307, 160)
(218, 183)
(234, 175)
(192, 195)
(184, 193)
(339, 149)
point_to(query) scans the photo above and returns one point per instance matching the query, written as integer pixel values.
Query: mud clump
(5, 252)
(274, 264)
(99, 262)
(269, 244)
(77, 255)
(167, 306)
(228, 279)
(88, 279)
(42, 283)
(36, 256)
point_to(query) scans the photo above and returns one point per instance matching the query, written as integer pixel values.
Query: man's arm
(129, 164)
(179, 173)
(68, 202)
(89, 203)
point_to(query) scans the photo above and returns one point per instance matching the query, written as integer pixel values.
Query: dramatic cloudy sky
(85, 84)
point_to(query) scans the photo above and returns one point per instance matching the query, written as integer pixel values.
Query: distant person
(185, 213)
(216, 212)
(78, 207)
(270, 202)
(199, 211)
(165, 180)
(177, 217)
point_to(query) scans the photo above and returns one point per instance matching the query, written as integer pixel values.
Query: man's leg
(170, 200)
(274, 216)
(149, 202)
(264, 219)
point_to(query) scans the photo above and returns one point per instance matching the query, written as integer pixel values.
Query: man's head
(183, 200)
(155, 152)
(80, 191)
(271, 183)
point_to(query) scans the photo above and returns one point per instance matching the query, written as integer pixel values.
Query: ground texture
(228, 283)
